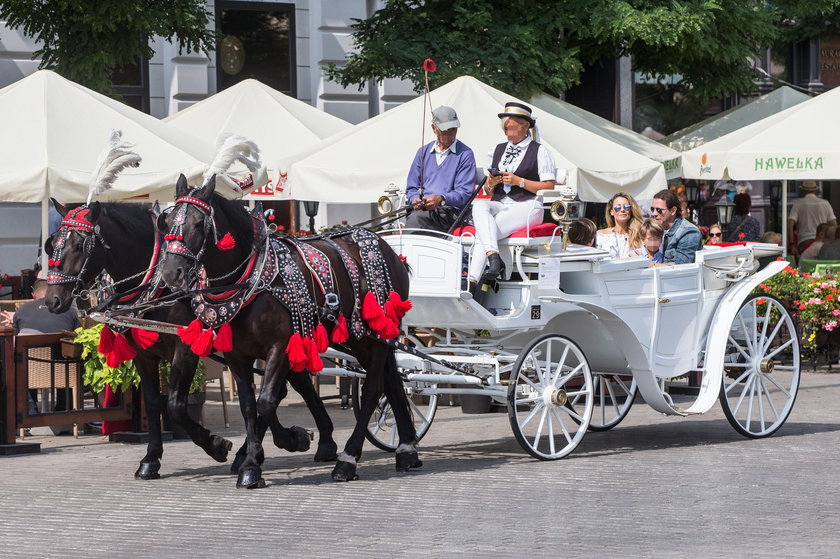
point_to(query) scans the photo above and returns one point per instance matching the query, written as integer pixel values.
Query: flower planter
(70, 349)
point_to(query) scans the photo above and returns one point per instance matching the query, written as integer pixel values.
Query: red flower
(429, 65)
(801, 307)
(761, 301)
(741, 235)
(778, 259)
(829, 297)
(402, 258)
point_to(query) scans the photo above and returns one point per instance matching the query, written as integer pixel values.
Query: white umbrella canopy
(633, 141)
(735, 118)
(355, 166)
(56, 130)
(280, 125)
(802, 142)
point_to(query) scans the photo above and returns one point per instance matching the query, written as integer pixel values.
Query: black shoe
(495, 268)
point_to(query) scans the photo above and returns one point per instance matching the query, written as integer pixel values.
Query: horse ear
(156, 208)
(258, 209)
(59, 207)
(93, 212)
(208, 189)
(182, 187)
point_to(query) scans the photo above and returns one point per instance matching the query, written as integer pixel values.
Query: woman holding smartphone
(517, 170)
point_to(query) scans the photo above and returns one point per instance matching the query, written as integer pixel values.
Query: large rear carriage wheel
(382, 428)
(614, 396)
(551, 372)
(761, 367)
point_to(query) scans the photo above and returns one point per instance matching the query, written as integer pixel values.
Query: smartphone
(495, 172)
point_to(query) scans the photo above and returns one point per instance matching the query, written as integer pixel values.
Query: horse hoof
(148, 470)
(344, 471)
(327, 452)
(250, 478)
(219, 449)
(299, 439)
(408, 461)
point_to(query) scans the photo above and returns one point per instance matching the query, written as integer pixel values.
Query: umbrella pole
(784, 219)
(45, 229)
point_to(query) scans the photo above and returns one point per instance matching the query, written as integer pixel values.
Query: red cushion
(541, 230)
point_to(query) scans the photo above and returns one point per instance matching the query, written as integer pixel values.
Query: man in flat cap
(442, 176)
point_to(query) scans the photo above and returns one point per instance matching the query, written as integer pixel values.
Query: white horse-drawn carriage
(568, 337)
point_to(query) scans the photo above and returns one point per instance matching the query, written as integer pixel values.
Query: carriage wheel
(761, 368)
(550, 372)
(614, 396)
(381, 430)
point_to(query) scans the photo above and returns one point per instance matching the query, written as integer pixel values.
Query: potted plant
(195, 398)
(97, 374)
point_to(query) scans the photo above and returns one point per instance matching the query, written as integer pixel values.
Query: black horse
(263, 328)
(122, 240)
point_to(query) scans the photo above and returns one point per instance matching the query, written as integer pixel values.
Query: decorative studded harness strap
(373, 264)
(293, 293)
(357, 326)
(75, 220)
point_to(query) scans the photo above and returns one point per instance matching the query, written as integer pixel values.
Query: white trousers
(498, 220)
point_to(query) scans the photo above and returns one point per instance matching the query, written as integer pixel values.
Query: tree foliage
(85, 40)
(526, 46)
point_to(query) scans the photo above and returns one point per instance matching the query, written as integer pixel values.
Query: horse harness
(76, 220)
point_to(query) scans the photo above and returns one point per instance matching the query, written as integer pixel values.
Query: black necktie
(511, 154)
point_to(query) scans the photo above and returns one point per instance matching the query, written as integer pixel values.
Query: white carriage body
(626, 316)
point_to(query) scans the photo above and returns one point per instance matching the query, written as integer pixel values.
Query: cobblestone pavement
(654, 486)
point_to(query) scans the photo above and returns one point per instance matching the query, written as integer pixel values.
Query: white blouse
(616, 243)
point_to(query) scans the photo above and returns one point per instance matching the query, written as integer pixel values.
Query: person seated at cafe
(651, 233)
(34, 317)
(624, 221)
(715, 234)
(682, 238)
(825, 233)
(743, 227)
(830, 250)
(772, 238)
(582, 232)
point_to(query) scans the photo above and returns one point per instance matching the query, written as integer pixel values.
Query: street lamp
(724, 208)
(692, 191)
(311, 209)
(775, 200)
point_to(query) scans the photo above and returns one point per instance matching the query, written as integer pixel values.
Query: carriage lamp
(311, 209)
(724, 208)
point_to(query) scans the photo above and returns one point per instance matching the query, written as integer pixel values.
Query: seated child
(582, 232)
(651, 234)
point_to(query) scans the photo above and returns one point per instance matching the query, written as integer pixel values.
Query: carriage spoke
(739, 348)
(750, 405)
(550, 433)
(420, 413)
(540, 427)
(759, 390)
(784, 368)
(562, 425)
(572, 413)
(779, 349)
(737, 381)
(531, 415)
(764, 326)
(560, 382)
(560, 363)
(768, 340)
(538, 369)
(746, 332)
(784, 390)
(769, 399)
(613, 399)
(746, 387)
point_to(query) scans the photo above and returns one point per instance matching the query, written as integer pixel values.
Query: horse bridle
(175, 238)
(76, 221)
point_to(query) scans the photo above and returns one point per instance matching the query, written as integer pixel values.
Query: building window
(131, 83)
(258, 42)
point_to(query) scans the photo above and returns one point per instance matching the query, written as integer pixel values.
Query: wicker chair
(50, 370)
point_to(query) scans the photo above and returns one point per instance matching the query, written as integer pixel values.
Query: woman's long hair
(634, 236)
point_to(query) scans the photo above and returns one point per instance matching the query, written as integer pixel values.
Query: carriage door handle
(663, 300)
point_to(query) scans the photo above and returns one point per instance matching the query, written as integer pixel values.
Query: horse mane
(130, 217)
(239, 221)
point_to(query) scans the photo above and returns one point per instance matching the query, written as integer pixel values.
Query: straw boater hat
(518, 110)
(808, 185)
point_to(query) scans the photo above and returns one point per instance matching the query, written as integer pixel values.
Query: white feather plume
(231, 148)
(116, 157)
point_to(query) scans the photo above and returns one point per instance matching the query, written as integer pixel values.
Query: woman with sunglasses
(715, 234)
(624, 223)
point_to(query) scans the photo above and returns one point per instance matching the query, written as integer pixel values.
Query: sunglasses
(716, 234)
(625, 207)
(657, 210)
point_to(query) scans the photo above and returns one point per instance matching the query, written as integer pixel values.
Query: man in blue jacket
(442, 176)
(682, 238)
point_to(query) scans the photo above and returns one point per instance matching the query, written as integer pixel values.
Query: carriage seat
(523, 237)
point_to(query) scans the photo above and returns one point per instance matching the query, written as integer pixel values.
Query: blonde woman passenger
(622, 235)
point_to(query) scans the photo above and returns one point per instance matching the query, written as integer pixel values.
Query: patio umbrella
(357, 165)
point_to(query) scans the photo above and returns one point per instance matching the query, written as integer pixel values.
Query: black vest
(527, 170)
